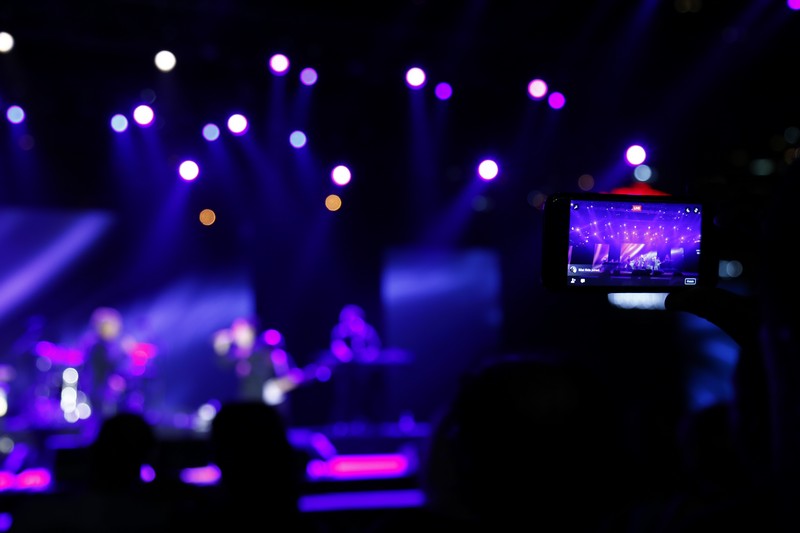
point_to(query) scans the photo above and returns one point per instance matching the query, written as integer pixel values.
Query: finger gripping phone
(598, 242)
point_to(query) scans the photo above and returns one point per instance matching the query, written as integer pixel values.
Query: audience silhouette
(113, 496)
(528, 443)
(763, 413)
(261, 473)
(125, 443)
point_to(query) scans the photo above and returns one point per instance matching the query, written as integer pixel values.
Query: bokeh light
(143, 115)
(15, 114)
(308, 76)
(165, 61)
(279, 64)
(415, 78)
(147, 473)
(237, 124)
(537, 199)
(730, 269)
(557, 100)
(443, 91)
(341, 175)
(272, 337)
(189, 170)
(481, 203)
(119, 123)
(333, 202)
(642, 173)
(6, 42)
(635, 155)
(211, 132)
(207, 217)
(488, 169)
(297, 139)
(586, 182)
(537, 89)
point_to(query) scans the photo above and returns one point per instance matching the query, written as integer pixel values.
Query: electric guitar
(275, 389)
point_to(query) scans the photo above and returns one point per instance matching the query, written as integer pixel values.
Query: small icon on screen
(690, 281)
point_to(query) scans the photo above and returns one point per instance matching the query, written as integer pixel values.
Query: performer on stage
(257, 358)
(104, 357)
(360, 380)
(353, 338)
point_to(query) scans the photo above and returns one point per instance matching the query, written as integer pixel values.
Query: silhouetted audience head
(527, 442)
(124, 443)
(251, 447)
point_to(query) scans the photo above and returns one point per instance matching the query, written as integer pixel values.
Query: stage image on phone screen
(625, 244)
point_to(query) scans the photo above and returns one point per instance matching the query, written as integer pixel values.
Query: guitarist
(104, 359)
(258, 359)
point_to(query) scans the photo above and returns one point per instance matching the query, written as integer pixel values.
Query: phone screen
(626, 243)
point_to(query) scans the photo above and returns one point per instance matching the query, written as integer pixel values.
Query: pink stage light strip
(8, 480)
(339, 467)
(368, 466)
(32, 479)
(201, 475)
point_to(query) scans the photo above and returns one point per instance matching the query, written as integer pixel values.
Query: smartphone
(598, 242)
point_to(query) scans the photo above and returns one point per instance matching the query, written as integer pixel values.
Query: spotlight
(15, 114)
(635, 155)
(189, 170)
(165, 61)
(237, 124)
(488, 169)
(415, 78)
(119, 123)
(308, 76)
(443, 91)
(537, 89)
(341, 175)
(297, 139)
(6, 42)
(143, 115)
(211, 132)
(279, 64)
(556, 100)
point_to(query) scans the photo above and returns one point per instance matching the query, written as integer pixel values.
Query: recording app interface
(621, 243)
